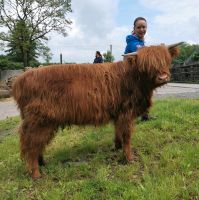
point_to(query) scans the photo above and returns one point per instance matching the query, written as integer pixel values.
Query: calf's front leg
(123, 130)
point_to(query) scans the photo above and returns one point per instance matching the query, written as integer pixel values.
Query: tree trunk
(25, 59)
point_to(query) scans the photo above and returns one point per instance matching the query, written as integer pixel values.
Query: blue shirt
(133, 43)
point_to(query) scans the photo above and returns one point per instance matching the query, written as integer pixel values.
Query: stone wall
(188, 73)
(179, 73)
(6, 74)
(6, 79)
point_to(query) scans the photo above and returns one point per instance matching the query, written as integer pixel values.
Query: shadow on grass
(94, 154)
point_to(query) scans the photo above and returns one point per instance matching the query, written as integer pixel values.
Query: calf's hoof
(129, 158)
(36, 175)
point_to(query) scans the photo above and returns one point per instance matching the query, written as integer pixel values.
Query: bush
(5, 63)
(34, 63)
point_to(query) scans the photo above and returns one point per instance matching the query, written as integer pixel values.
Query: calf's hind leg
(33, 139)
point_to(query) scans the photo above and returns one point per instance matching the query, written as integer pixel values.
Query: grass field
(81, 164)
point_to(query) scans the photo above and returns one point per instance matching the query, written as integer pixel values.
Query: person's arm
(131, 44)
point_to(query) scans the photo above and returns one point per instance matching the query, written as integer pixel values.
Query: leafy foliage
(45, 53)
(6, 63)
(28, 23)
(108, 57)
(21, 48)
(188, 53)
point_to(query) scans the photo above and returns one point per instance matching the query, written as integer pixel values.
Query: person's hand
(139, 47)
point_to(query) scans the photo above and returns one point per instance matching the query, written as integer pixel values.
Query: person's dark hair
(98, 53)
(138, 18)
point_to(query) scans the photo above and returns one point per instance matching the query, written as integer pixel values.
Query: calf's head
(153, 63)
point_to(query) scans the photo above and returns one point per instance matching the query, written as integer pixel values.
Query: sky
(97, 24)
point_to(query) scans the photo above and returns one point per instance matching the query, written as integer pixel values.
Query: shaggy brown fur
(87, 94)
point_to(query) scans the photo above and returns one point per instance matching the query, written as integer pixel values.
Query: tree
(108, 57)
(6, 63)
(188, 53)
(45, 53)
(29, 21)
(20, 48)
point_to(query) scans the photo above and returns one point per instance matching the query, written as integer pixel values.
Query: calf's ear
(174, 52)
(174, 49)
(131, 59)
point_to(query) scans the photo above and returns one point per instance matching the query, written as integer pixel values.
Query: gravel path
(8, 107)
(178, 90)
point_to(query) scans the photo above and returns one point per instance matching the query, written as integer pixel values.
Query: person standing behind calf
(98, 57)
(136, 41)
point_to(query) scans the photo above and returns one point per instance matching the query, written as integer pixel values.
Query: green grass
(82, 166)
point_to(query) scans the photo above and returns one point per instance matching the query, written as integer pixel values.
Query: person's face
(140, 28)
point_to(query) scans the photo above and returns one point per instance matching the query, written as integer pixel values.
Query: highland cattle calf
(93, 94)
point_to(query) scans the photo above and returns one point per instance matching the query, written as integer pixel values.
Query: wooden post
(111, 47)
(60, 58)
